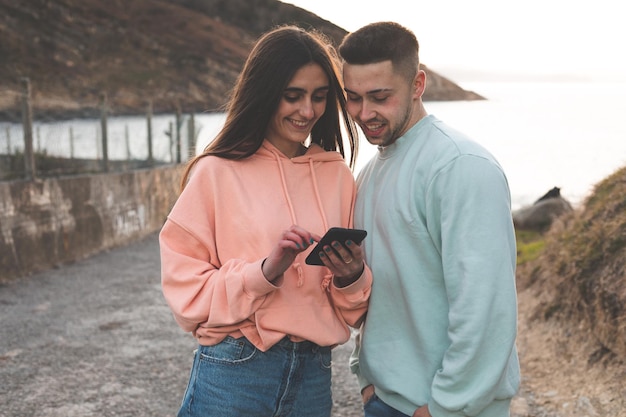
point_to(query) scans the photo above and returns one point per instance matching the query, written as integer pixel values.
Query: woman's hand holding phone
(340, 252)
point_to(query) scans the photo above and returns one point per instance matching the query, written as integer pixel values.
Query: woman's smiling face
(302, 103)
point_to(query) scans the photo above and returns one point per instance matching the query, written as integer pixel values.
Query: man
(439, 338)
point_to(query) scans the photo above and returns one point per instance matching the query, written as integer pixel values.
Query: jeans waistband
(303, 346)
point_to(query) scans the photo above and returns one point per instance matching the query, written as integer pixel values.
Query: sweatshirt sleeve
(354, 360)
(352, 301)
(470, 202)
(200, 287)
(199, 292)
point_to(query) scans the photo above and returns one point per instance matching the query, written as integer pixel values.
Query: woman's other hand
(293, 241)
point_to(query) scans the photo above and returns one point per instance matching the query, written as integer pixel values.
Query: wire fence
(33, 149)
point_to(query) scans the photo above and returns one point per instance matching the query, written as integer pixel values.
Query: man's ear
(419, 84)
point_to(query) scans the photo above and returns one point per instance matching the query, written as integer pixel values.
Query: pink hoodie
(226, 222)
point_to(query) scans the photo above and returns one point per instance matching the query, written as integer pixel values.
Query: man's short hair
(382, 41)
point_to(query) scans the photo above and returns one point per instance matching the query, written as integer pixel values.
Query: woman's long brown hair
(271, 65)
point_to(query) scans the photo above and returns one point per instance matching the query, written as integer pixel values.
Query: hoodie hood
(314, 153)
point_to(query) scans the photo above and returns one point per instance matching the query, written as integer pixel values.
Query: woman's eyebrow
(302, 90)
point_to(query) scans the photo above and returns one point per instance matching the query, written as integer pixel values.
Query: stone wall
(54, 221)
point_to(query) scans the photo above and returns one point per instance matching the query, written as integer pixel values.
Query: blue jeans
(235, 379)
(376, 408)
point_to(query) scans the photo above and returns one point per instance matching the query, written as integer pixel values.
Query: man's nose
(366, 111)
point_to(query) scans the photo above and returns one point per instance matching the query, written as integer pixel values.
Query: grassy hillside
(578, 270)
(572, 310)
(172, 52)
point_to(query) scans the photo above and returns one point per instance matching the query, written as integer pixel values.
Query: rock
(540, 215)
(520, 407)
(555, 192)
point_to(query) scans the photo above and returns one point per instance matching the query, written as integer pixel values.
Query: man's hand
(422, 412)
(367, 393)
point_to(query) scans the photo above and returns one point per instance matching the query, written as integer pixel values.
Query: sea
(545, 135)
(569, 135)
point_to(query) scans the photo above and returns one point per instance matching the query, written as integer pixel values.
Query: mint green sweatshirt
(442, 317)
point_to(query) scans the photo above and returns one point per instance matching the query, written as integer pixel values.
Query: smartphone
(339, 234)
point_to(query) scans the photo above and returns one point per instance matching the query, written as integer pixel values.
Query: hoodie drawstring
(292, 212)
(294, 220)
(318, 198)
(298, 268)
(327, 278)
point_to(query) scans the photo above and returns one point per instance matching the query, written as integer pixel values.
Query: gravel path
(95, 338)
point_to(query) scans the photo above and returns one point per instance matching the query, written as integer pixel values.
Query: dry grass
(582, 270)
(572, 297)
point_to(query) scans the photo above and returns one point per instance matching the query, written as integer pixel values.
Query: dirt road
(96, 338)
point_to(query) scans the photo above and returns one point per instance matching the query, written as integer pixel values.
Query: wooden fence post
(170, 133)
(8, 140)
(149, 121)
(178, 124)
(98, 143)
(71, 142)
(191, 136)
(27, 122)
(127, 141)
(103, 127)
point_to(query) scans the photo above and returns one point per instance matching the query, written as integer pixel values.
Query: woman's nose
(306, 109)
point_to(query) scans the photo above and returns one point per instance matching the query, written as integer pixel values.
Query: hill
(572, 302)
(172, 52)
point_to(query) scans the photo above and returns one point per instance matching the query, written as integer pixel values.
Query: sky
(562, 39)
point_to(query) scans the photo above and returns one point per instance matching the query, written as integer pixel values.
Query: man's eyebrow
(376, 91)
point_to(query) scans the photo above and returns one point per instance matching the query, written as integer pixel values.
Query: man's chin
(376, 140)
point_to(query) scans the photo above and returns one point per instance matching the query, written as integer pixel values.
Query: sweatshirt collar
(405, 140)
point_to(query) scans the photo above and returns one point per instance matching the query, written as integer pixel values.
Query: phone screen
(339, 234)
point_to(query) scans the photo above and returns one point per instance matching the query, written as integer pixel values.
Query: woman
(233, 247)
